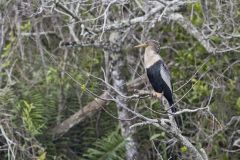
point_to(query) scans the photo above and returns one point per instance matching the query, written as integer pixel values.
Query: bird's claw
(157, 95)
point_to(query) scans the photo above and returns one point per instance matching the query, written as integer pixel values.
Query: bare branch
(189, 111)
(80, 115)
(192, 30)
(66, 10)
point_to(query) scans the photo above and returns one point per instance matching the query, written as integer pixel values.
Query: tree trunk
(119, 81)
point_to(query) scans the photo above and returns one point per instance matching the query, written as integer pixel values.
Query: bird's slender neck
(151, 56)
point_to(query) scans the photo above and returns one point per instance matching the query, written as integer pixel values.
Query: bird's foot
(157, 95)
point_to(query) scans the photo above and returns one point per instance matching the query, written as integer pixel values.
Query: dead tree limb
(91, 108)
(192, 30)
(80, 115)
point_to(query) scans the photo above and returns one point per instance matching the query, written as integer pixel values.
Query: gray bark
(205, 10)
(1, 40)
(119, 80)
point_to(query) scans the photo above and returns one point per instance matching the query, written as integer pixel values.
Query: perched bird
(157, 72)
(159, 77)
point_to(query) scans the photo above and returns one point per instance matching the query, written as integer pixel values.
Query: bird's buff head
(151, 55)
(150, 43)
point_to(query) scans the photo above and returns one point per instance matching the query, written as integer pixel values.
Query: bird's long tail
(174, 110)
(172, 154)
(173, 107)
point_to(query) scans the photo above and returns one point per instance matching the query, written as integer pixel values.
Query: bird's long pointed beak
(141, 45)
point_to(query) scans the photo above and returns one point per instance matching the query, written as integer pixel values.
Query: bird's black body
(157, 82)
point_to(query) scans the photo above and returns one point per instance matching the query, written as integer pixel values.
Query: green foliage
(52, 76)
(6, 50)
(200, 89)
(158, 136)
(83, 88)
(42, 156)
(216, 39)
(11, 123)
(7, 97)
(238, 105)
(32, 117)
(183, 149)
(197, 18)
(25, 27)
(110, 147)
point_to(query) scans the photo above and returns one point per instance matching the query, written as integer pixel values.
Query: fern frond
(111, 147)
(6, 96)
(32, 117)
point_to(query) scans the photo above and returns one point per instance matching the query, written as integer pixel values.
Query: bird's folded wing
(166, 75)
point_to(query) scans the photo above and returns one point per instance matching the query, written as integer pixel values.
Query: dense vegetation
(57, 57)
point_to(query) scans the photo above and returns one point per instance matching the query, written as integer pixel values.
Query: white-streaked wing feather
(165, 75)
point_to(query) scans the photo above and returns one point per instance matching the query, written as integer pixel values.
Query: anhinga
(157, 71)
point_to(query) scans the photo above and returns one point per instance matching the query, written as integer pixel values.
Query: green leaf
(42, 156)
(215, 39)
(197, 7)
(238, 103)
(184, 149)
(26, 26)
(155, 136)
(83, 87)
